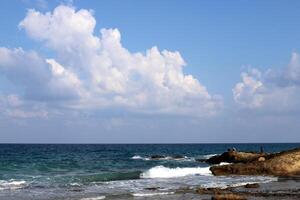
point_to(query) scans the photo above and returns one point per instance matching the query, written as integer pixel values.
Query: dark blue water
(40, 171)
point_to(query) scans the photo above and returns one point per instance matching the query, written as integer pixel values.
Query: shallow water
(98, 171)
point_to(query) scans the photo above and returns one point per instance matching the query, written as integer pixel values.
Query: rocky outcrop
(286, 163)
(220, 193)
(235, 157)
(252, 185)
(178, 157)
(157, 157)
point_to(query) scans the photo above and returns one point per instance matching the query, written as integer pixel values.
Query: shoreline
(164, 172)
(283, 189)
(286, 188)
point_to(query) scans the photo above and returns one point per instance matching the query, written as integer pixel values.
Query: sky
(149, 71)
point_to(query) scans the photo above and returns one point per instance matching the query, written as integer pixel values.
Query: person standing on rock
(261, 149)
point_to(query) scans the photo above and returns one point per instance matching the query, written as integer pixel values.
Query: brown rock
(228, 197)
(235, 157)
(252, 185)
(209, 190)
(261, 159)
(286, 163)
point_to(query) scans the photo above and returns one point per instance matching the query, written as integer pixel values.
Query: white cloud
(91, 71)
(13, 106)
(274, 91)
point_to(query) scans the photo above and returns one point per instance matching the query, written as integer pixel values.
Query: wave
(94, 198)
(136, 157)
(151, 194)
(12, 184)
(208, 156)
(139, 158)
(224, 163)
(165, 172)
(171, 158)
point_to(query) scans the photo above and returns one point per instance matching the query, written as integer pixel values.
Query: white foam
(137, 157)
(75, 184)
(208, 156)
(165, 172)
(12, 184)
(224, 163)
(151, 194)
(185, 158)
(94, 198)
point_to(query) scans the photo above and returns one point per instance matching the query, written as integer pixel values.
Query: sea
(114, 171)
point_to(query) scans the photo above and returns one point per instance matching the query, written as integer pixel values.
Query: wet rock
(177, 157)
(157, 157)
(252, 185)
(152, 188)
(201, 190)
(228, 197)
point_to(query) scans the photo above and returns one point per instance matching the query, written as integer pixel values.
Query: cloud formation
(13, 106)
(94, 71)
(272, 91)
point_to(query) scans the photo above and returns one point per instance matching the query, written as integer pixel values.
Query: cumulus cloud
(95, 71)
(273, 90)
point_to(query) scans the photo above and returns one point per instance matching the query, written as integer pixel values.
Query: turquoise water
(79, 171)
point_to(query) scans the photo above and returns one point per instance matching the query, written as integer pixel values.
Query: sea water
(102, 171)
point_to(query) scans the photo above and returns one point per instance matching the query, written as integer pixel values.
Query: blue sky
(234, 76)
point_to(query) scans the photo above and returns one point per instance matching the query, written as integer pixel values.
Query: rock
(152, 188)
(201, 160)
(157, 157)
(235, 157)
(177, 157)
(209, 190)
(261, 159)
(286, 163)
(252, 185)
(228, 197)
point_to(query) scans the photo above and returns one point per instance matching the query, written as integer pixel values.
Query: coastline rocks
(235, 157)
(178, 157)
(152, 188)
(157, 157)
(252, 185)
(286, 163)
(228, 197)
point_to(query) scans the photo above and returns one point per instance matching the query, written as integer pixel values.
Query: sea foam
(167, 158)
(208, 156)
(12, 184)
(151, 194)
(94, 198)
(165, 172)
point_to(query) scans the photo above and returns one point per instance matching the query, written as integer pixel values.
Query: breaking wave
(151, 194)
(12, 184)
(165, 172)
(171, 158)
(94, 198)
